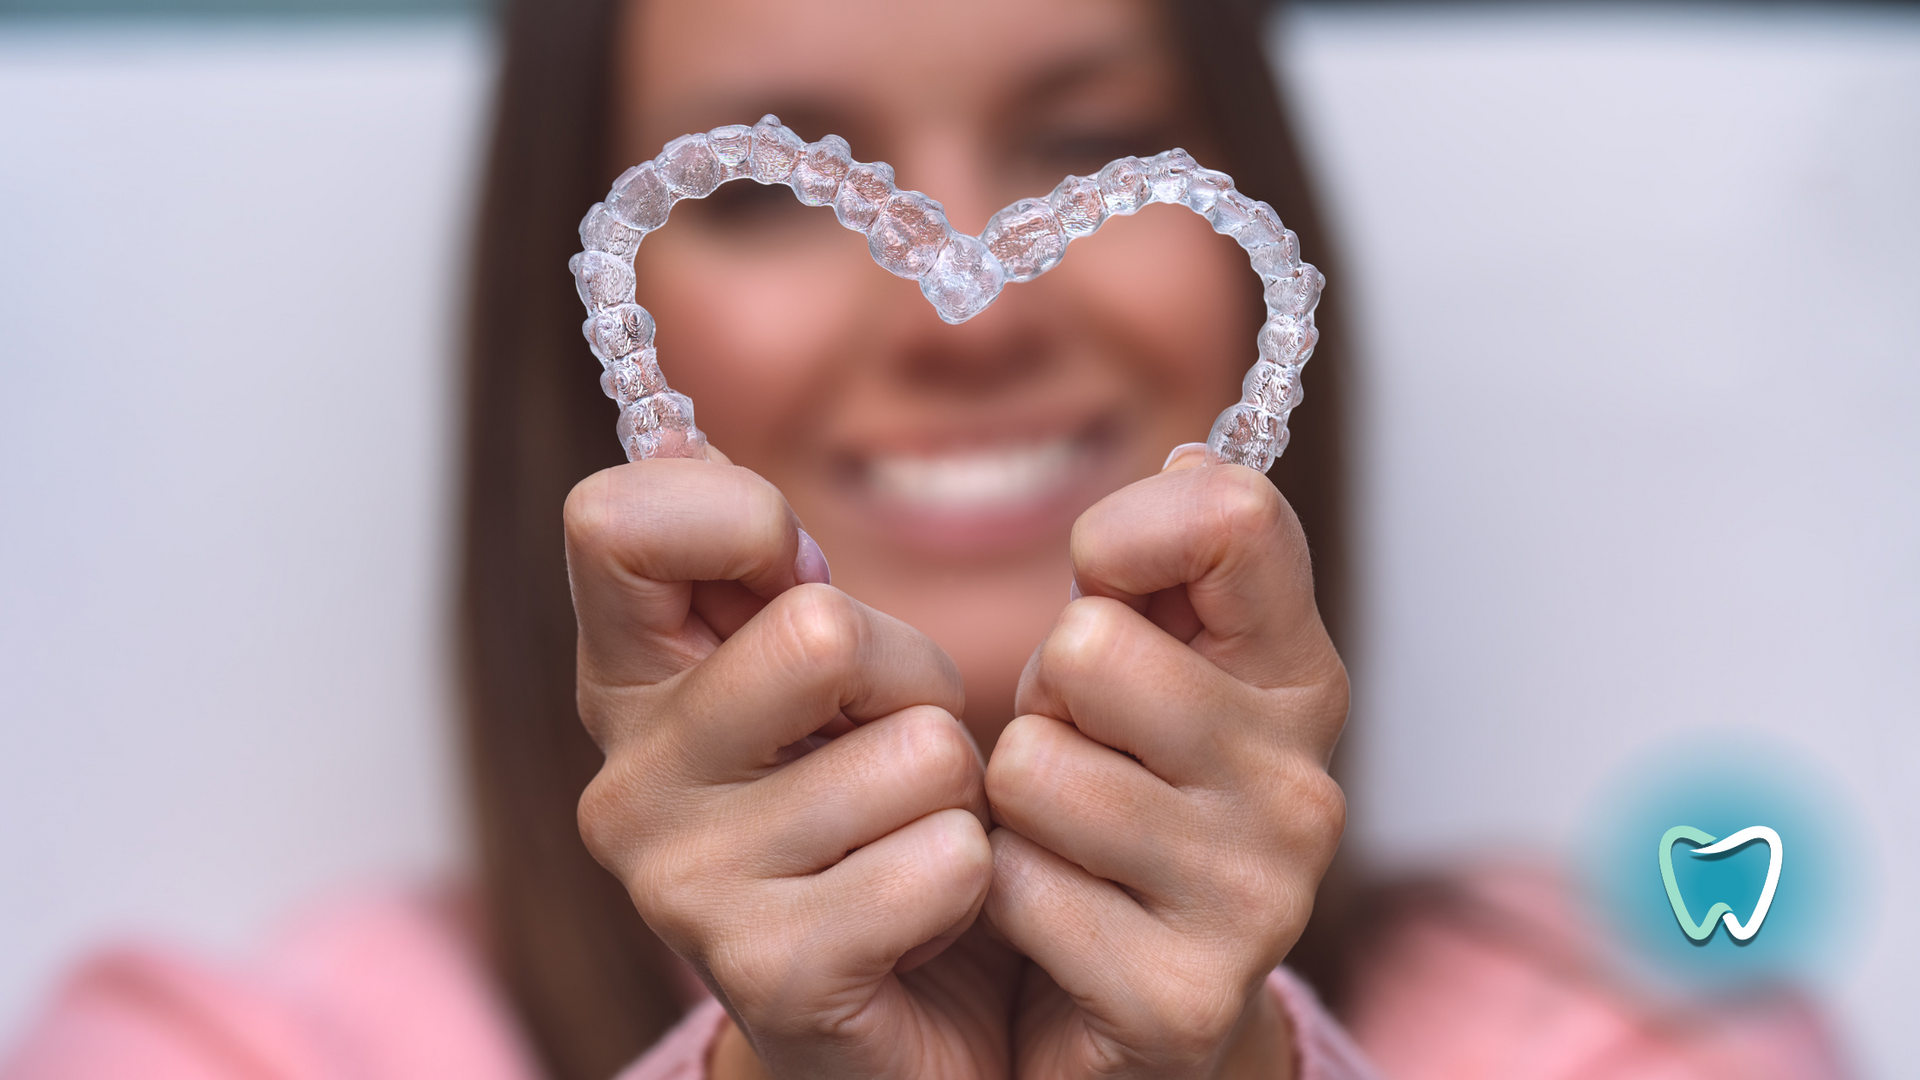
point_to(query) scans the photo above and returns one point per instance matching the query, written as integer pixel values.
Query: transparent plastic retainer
(960, 275)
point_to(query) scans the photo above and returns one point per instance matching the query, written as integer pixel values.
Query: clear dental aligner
(908, 234)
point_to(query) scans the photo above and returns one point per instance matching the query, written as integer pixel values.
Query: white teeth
(975, 479)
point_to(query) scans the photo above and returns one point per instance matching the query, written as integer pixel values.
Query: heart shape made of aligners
(1720, 911)
(907, 233)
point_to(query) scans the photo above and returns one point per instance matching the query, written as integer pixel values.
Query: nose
(994, 353)
(1003, 347)
(950, 159)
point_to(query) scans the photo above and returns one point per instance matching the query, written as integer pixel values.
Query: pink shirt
(388, 988)
(1325, 1051)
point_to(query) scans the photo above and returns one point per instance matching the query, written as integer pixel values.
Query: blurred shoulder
(370, 986)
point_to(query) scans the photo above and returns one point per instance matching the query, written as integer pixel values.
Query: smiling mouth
(981, 495)
(975, 480)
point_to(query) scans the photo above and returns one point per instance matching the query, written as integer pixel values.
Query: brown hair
(588, 979)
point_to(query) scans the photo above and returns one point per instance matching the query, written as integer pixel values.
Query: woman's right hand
(824, 897)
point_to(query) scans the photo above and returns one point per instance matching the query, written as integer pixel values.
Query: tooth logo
(1705, 844)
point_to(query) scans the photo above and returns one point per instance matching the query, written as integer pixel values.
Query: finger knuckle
(1032, 767)
(1292, 827)
(588, 513)
(624, 825)
(953, 859)
(1303, 800)
(963, 848)
(1091, 544)
(686, 886)
(1307, 812)
(938, 749)
(1015, 765)
(1320, 810)
(821, 628)
(1335, 694)
(1084, 641)
(1244, 886)
(606, 817)
(1192, 1014)
(1244, 504)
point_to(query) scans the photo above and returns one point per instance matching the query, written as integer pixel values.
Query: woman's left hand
(1164, 809)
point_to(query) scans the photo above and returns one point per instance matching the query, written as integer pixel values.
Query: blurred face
(940, 467)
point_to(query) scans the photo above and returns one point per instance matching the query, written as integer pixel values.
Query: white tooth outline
(1701, 931)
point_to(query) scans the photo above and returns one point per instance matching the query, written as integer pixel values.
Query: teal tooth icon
(1803, 917)
(1721, 912)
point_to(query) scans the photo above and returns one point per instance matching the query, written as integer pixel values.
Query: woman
(886, 430)
(1058, 841)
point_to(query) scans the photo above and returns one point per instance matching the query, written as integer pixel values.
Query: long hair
(589, 981)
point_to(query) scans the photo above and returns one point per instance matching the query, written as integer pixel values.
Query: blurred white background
(1639, 450)
(1640, 351)
(229, 266)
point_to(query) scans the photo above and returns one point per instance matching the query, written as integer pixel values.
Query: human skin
(1106, 892)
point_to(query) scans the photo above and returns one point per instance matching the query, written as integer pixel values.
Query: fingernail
(1182, 450)
(1073, 591)
(810, 564)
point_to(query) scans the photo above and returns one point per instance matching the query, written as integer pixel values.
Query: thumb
(641, 535)
(1214, 555)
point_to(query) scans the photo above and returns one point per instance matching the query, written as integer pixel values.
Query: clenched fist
(1164, 808)
(823, 896)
